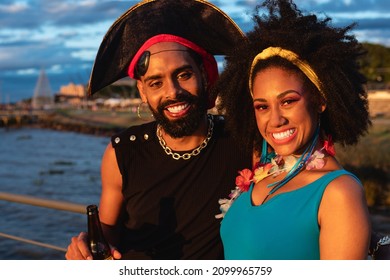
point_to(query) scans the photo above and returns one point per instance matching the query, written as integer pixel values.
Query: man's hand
(78, 249)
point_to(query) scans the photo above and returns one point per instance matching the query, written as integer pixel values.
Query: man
(161, 181)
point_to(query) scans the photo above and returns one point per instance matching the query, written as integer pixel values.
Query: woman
(305, 91)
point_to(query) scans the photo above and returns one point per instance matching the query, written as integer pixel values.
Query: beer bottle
(97, 243)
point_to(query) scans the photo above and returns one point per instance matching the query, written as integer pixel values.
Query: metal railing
(40, 202)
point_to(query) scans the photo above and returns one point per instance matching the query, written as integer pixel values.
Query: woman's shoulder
(335, 173)
(340, 183)
(344, 188)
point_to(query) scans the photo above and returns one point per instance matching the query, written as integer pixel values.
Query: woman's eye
(288, 101)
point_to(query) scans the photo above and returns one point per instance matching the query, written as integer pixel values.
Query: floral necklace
(273, 165)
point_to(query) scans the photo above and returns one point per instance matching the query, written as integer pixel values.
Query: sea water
(46, 164)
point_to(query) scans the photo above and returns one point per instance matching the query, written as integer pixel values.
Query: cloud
(13, 8)
(33, 53)
(352, 6)
(63, 36)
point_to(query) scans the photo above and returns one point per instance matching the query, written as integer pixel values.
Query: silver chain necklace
(195, 151)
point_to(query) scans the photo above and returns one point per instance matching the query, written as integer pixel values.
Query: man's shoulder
(134, 134)
(220, 128)
(220, 119)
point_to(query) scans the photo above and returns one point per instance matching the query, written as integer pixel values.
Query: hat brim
(198, 21)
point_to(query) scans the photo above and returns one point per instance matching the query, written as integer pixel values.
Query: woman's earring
(144, 113)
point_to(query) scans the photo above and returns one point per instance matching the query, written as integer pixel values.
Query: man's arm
(109, 210)
(111, 200)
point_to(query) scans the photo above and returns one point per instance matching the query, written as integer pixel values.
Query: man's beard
(186, 125)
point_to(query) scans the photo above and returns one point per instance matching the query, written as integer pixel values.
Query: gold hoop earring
(144, 113)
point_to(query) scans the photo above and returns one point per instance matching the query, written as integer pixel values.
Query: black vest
(170, 204)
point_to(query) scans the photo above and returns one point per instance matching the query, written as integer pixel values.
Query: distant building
(42, 97)
(73, 90)
(71, 93)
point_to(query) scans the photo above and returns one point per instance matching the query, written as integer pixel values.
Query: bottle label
(100, 251)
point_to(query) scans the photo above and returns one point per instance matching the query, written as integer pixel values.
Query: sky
(62, 37)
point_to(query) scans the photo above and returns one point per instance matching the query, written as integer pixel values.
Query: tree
(376, 64)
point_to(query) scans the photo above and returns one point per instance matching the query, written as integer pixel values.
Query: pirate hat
(195, 20)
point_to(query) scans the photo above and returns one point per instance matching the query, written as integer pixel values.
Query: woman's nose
(276, 117)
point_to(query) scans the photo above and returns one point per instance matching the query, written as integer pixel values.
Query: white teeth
(177, 109)
(283, 135)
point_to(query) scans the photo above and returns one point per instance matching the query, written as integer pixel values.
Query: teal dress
(283, 228)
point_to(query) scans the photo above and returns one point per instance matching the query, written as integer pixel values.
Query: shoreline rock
(98, 123)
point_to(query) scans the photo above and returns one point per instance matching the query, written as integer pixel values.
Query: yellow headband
(293, 58)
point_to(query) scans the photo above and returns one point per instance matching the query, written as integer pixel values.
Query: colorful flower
(329, 146)
(289, 162)
(244, 180)
(261, 172)
(316, 161)
(226, 203)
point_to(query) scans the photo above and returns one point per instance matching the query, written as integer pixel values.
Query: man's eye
(184, 75)
(155, 84)
(260, 107)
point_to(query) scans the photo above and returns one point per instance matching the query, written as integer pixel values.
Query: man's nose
(173, 89)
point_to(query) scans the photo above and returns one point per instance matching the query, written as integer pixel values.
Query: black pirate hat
(195, 20)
